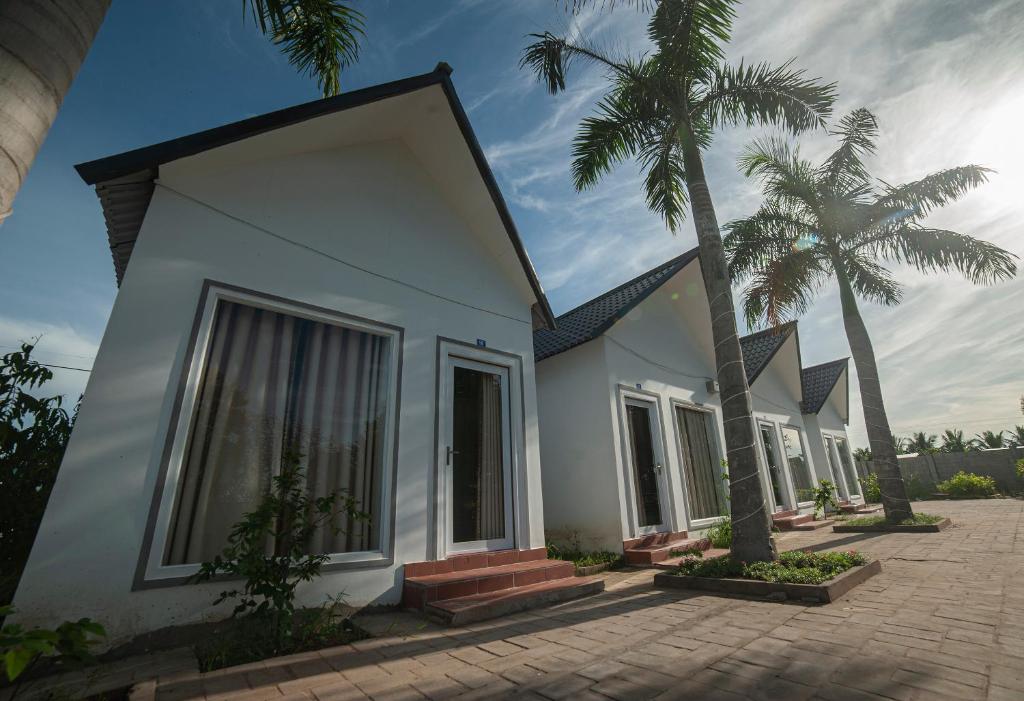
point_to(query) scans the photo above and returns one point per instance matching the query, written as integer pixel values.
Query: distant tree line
(952, 440)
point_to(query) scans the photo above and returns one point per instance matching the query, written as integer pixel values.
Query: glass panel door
(799, 469)
(705, 493)
(849, 469)
(771, 459)
(834, 467)
(478, 457)
(647, 462)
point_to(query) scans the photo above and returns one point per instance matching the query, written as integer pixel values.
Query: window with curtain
(705, 489)
(798, 467)
(849, 471)
(272, 384)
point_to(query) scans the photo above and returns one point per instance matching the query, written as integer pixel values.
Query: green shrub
(795, 567)
(916, 520)
(966, 484)
(720, 534)
(1020, 468)
(824, 496)
(288, 517)
(69, 643)
(872, 492)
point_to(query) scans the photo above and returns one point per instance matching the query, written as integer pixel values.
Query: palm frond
(785, 177)
(689, 35)
(665, 179)
(551, 56)
(752, 243)
(845, 167)
(939, 249)
(870, 280)
(760, 94)
(935, 190)
(783, 289)
(320, 37)
(622, 122)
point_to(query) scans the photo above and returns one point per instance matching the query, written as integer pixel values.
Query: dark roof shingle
(591, 319)
(818, 382)
(759, 348)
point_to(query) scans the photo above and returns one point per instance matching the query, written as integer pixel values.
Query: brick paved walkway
(945, 620)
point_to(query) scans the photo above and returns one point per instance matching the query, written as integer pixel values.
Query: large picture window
(798, 468)
(276, 384)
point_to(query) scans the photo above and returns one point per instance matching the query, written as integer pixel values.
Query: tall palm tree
(48, 41)
(953, 441)
(834, 221)
(662, 109)
(990, 439)
(922, 442)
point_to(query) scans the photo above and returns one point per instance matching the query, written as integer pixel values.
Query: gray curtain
(274, 382)
(703, 478)
(798, 467)
(490, 478)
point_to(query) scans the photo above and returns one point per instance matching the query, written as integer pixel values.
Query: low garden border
(823, 593)
(886, 528)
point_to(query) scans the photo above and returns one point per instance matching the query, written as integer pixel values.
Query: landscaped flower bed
(805, 576)
(920, 523)
(588, 563)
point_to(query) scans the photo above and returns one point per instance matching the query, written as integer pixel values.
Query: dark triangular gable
(759, 348)
(591, 319)
(818, 383)
(124, 182)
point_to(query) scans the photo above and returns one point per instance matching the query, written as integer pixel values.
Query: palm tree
(862, 454)
(41, 55)
(662, 109)
(899, 445)
(990, 439)
(922, 442)
(834, 221)
(1017, 436)
(953, 441)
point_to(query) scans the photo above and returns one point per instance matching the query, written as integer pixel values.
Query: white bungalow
(341, 278)
(826, 408)
(631, 438)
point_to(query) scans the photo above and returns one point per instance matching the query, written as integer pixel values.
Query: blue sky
(943, 76)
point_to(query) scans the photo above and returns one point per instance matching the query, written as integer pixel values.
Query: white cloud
(58, 344)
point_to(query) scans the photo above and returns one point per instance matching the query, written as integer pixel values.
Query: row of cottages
(632, 442)
(342, 280)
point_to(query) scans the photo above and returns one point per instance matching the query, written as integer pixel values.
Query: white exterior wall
(581, 499)
(372, 205)
(829, 421)
(776, 400)
(664, 345)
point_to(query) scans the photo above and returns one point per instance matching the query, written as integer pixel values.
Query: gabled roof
(124, 182)
(818, 381)
(759, 348)
(591, 319)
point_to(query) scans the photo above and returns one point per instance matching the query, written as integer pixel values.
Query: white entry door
(648, 466)
(476, 456)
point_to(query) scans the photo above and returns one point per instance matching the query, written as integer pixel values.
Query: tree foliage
(34, 432)
(834, 219)
(320, 37)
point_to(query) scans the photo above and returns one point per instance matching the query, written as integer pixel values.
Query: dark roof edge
(784, 330)
(103, 169)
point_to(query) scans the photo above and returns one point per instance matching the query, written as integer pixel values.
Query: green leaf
(16, 660)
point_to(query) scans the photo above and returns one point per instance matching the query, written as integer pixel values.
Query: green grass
(795, 567)
(917, 520)
(587, 559)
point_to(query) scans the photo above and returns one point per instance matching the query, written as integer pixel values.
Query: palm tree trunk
(42, 46)
(751, 532)
(883, 453)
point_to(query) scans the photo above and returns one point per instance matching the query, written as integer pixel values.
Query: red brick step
(646, 555)
(483, 606)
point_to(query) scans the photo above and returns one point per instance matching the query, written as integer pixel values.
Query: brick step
(650, 539)
(784, 514)
(788, 523)
(813, 525)
(860, 508)
(651, 554)
(486, 605)
(418, 591)
(673, 562)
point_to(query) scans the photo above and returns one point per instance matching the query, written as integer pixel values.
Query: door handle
(657, 467)
(449, 454)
